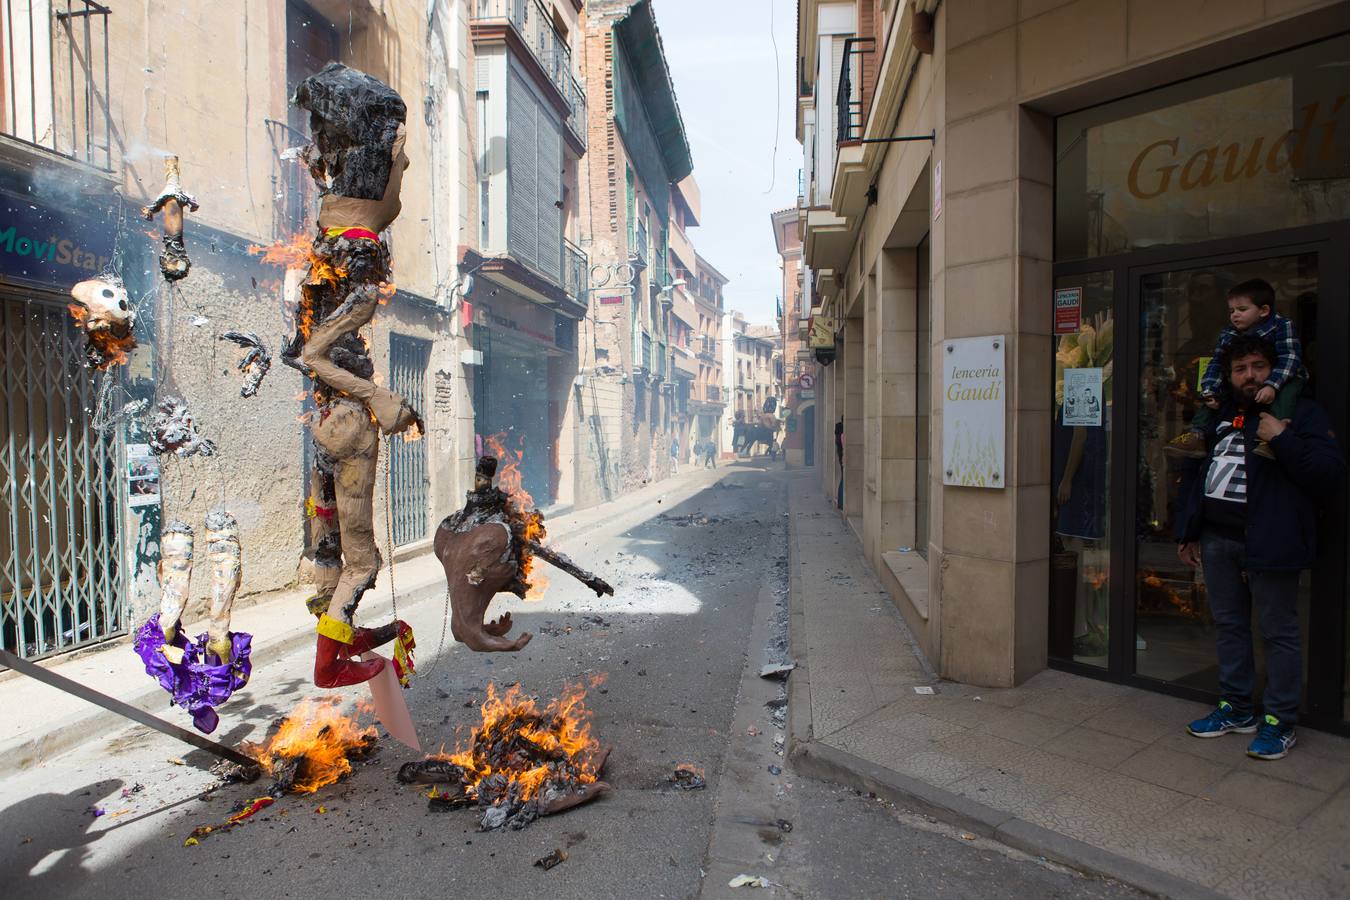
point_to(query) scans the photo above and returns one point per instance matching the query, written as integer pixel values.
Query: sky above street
(733, 101)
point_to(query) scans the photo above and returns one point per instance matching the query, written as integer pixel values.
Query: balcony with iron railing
(852, 115)
(534, 26)
(576, 102)
(54, 78)
(576, 267)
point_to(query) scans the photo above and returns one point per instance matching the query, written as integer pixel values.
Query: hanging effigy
(201, 673)
(357, 160)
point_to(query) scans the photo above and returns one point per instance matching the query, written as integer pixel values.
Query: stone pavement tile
(1269, 797)
(871, 736)
(1320, 773)
(1045, 768)
(838, 701)
(961, 710)
(1094, 747)
(1327, 746)
(896, 685)
(1006, 697)
(1175, 770)
(1016, 724)
(935, 767)
(1332, 815)
(1120, 832)
(1118, 795)
(1205, 842)
(1005, 791)
(986, 749)
(1146, 717)
(1229, 750)
(1307, 862)
(1070, 706)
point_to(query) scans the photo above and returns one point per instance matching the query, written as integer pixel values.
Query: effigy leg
(175, 574)
(346, 433)
(324, 533)
(222, 549)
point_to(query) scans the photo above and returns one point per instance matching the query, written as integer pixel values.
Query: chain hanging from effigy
(426, 672)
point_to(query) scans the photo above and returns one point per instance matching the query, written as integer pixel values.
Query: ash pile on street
(521, 762)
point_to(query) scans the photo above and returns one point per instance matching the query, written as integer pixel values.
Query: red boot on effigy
(333, 665)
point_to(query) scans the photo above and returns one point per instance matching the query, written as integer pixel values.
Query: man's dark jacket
(1282, 494)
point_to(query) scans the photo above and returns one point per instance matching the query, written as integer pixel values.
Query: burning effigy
(520, 763)
(255, 362)
(103, 311)
(488, 547)
(172, 202)
(357, 161)
(202, 673)
(313, 747)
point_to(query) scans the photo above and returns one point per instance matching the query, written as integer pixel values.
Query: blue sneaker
(1221, 721)
(1273, 740)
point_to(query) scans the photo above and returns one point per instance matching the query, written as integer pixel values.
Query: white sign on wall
(974, 388)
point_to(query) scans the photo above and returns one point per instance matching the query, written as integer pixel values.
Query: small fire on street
(314, 746)
(520, 762)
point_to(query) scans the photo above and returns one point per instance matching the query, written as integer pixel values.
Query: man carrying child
(1251, 311)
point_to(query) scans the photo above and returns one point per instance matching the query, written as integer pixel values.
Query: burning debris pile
(520, 763)
(313, 747)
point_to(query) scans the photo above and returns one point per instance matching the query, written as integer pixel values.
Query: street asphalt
(700, 606)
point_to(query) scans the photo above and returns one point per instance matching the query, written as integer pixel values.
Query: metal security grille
(408, 361)
(61, 542)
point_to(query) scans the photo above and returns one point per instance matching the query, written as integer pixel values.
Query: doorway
(808, 426)
(1122, 604)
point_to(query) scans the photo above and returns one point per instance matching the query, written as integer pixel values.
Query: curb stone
(819, 760)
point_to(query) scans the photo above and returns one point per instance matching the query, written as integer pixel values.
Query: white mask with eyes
(107, 303)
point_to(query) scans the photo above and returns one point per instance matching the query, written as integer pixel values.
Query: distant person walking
(675, 454)
(709, 454)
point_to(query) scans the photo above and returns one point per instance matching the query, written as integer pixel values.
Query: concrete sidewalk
(41, 722)
(1099, 776)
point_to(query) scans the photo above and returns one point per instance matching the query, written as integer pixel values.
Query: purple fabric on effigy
(196, 684)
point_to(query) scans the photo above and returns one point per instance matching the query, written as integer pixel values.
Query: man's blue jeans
(1232, 591)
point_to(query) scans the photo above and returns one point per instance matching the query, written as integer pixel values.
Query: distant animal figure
(745, 436)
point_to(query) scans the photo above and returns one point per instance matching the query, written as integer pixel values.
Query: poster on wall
(1083, 397)
(1068, 310)
(142, 476)
(974, 387)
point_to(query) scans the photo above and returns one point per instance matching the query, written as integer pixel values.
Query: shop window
(1080, 481)
(1253, 148)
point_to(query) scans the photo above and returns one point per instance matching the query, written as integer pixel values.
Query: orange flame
(297, 252)
(510, 480)
(560, 731)
(322, 736)
(114, 349)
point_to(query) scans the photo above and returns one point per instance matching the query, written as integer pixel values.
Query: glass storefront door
(1122, 605)
(1181, 311)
